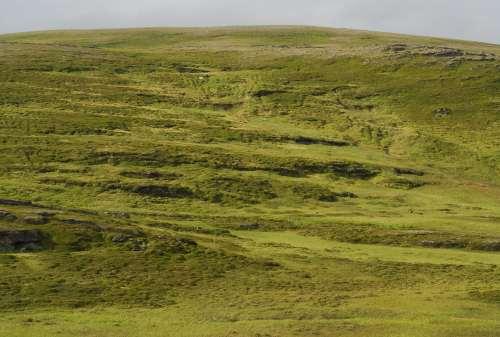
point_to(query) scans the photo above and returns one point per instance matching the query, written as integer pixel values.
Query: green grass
(253, 181)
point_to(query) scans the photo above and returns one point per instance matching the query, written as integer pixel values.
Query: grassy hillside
(248, 182)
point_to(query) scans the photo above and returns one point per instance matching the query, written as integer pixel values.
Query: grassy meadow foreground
(248, 182)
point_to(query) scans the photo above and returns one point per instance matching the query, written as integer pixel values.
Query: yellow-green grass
(249, 181)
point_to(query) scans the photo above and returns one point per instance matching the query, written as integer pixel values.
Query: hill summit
(248, 181)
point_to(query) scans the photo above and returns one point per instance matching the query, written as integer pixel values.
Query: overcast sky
(463, 19)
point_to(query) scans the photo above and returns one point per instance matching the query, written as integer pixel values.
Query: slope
(302, 179)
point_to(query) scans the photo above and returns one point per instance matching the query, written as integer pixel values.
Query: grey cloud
(464, 19)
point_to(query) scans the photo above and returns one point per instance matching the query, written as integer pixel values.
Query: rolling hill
(248, 182)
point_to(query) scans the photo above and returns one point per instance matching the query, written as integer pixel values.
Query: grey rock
(443, 52)
(442, 112)
(35, 220)
(120, 238)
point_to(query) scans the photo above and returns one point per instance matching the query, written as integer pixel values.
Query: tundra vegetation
(248, 182)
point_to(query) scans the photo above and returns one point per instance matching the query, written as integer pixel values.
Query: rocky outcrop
(35, 219)
(439, 51)
(7, 216)
(21, 240)
(10, 202)
(442, 52)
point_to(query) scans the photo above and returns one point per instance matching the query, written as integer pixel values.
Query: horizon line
(48, 30)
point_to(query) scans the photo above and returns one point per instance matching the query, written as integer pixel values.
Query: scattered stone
(178, 246)
(456, 55)
(480, 56)
(35, 219)
(442, 52)
(120, 238)
(397, 47)
(132, 238)
(442, 112)
(402, 183)
(138, 245)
